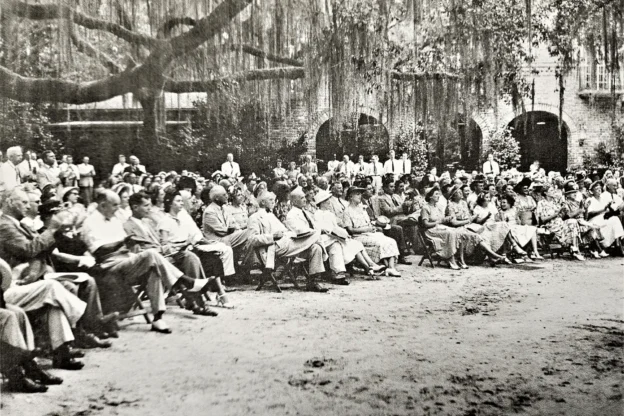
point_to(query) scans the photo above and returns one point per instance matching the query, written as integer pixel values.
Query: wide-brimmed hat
(452, 190)
(594, 184)
(322, 196)
(569, 187)
(382, 222)
(355, 189)
(67, 191)
(216, 172)
(429, 191)
(526, 181)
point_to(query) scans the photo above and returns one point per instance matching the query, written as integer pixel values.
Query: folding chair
(122, 296)
(428, 248)
(292, 266)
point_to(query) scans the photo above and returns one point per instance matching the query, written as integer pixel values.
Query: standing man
(392, 166)
(346, 168)
(376, 171)
(333, 164)
(135, 166)
(120, 167)
(47, 173)
(361, 167)
(28, 167)
(491, 166)
(10, 176)
(230, 169)
(406, 164)
(71, 167)
(85, 182)
(309, 168)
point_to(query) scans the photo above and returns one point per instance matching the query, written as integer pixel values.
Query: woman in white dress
(595, 210)
(352, 249)
(522, 234)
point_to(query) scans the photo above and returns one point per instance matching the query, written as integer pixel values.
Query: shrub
(504, 147)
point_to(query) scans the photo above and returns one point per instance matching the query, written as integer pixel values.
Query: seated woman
(157, 210)
(70, 202)
(525, 204)
(572, 208)
(459, 217)
(358, 224)
(178, 227)
(550, 216)
(351, 249)
(237, 209)
(446, 241)
(123, 212)
(600, 213)
(522, 234)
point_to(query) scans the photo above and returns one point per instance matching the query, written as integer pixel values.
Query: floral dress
(469, 233)
(377, 244)
(588, 231)
(239, 215)
(445, 239)
(525, 205)
(566, 231)
(610, 229)
(493, 232)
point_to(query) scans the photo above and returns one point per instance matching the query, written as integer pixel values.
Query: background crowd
(77, 247)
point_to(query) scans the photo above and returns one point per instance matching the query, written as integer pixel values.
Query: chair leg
(272, 277)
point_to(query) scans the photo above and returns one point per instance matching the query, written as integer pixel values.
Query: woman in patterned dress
(573, 209)
(358, 224)
(595, 209)
(460, 218)
(549, 214)
(522, 234)
(237, 209)
(525, 204)
(446, 241)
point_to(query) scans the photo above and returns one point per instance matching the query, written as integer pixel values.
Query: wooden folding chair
(291, 267)
(428, 248)
(138, 307)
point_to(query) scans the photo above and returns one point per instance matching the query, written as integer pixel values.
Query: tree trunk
(154, 124)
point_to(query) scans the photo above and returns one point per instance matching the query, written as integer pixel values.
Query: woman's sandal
(454, 267)
(372, 275)
(222, 301)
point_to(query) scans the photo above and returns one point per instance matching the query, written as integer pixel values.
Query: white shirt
(231, 169)
(9, 176)
(405, 166)
(97, 231)
(86, 174)
(181, 228)
(376, 169)
(118, 169)
(332, 165)
(491, 167)
(361, 168)
(393, 166)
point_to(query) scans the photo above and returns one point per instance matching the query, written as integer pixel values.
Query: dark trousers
(87, 292)
(396, 233)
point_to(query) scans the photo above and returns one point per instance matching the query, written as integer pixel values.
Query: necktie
(18, 176)
(393, 168)
(396, 203)
(232, 168)
(308, 219)
(375, 166)
(491, 168)
(404, 166)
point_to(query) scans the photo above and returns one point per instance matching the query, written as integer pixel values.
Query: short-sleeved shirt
(98, 231)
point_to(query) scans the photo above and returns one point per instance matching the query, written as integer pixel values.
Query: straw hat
(322, 196)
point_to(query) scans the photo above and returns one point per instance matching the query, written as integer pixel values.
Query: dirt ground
(544, 339)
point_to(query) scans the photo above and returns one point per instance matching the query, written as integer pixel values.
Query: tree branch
(176, 21)
(251, 75)
(56, 11)
(89, 50)
(268, 56)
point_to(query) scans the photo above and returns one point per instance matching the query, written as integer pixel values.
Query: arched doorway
(363, 135)
(538, 135)
(470, 141)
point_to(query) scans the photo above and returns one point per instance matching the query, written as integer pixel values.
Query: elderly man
(28, 167)
(337, 204)
(18, 246)
(300, 221)
(218, 224)
(230, 169)
(346, 168)
(10, 175)
(361, 167)
(274, 240)
(309, 168)
(105, 237)
(135, 166)
(120, 167)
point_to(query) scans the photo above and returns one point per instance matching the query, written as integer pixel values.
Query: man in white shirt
(230, 169)
(106, 239)
(10, 176)
(73, 169)
(346, 168)
(47, 173)
(405, 164)
(333, 164)
(86, 172)
(376, 171)
(119, 168)
(361, 167)
(491, 166)
(28, 167)
(392, 166)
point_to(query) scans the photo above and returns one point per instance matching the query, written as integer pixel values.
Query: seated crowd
(75, 256)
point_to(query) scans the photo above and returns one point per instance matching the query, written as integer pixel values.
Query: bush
(411, 141)
(504, 147)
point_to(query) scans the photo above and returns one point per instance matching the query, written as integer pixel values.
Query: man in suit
(230, 169)
(300, 221)
(274, 240)
(376, 172)
(337, 204)
(361, 167)
(309, 168)
(28, 167)
(346, 168)
(86, 173)
(218, 224)
(405, 164)
(20, 245)
(10, 175)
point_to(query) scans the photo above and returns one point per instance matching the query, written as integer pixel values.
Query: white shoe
(604, 254)
(198, 285)
(393, 273)
(161, 326)
(223, 302)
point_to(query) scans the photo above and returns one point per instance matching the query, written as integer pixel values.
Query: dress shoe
(109, 318)
(315, 287)
(161, 327)
(403, 260)
(36, 373)
(342, 281)
(74, 353)
(19, 383)
(62, 359)
(85, 341)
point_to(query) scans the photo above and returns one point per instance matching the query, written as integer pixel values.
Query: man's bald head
(108, 203)
(218, 195)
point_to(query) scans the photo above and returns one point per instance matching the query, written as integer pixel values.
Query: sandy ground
(543, 340)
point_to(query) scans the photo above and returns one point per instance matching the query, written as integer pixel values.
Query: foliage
(26, 125)
(504, 147)
(411, 140)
